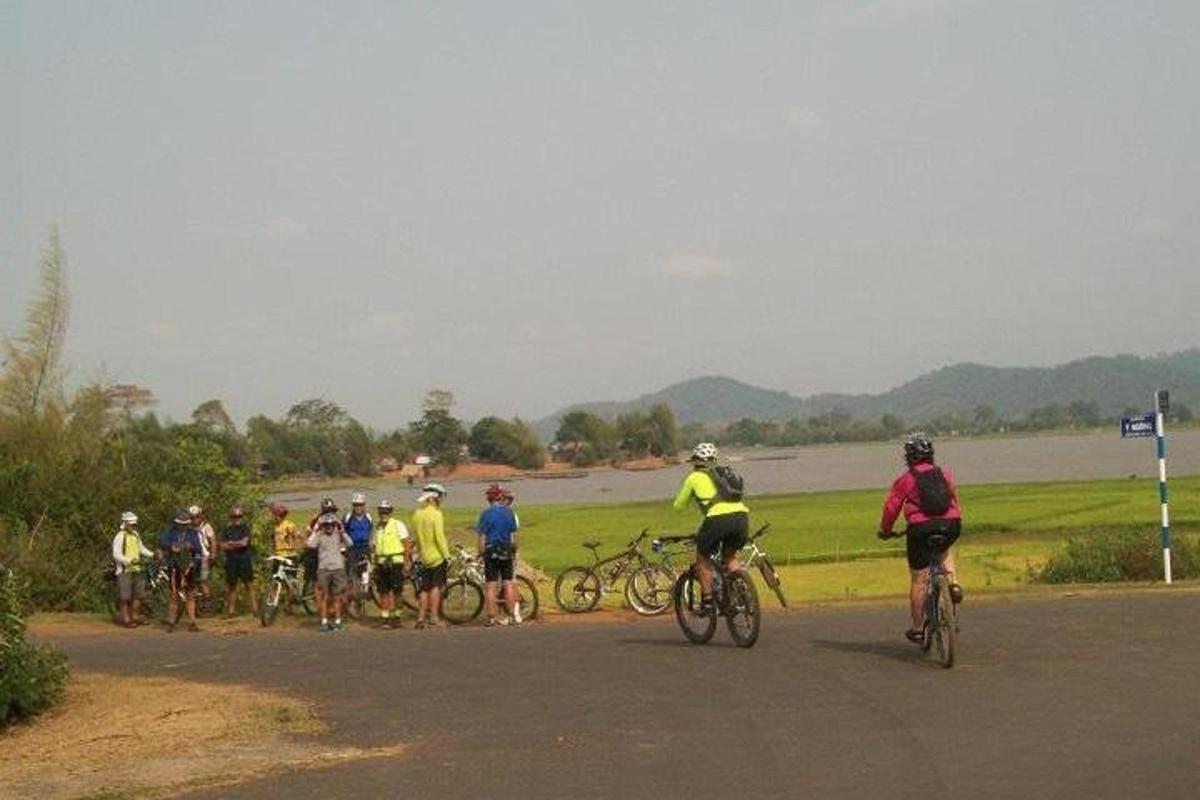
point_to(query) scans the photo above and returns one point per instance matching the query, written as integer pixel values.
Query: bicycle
(285, 588)
(758, 557)
(154, 596)
(462, 599)
(579, 588)
(360, 587)
(941, 615)
(653, 584)
(733, 597)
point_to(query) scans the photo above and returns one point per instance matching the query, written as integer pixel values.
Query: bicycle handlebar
(759, 532)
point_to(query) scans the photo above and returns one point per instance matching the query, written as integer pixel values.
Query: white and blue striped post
(1160, 433)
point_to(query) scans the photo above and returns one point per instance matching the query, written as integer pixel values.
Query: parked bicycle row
(348, 565)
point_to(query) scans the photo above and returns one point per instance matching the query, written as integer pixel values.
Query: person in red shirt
(923, 520)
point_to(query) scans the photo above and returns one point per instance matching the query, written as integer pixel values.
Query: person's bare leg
(510, 598)
(704, 573)
(916, 596)
(136, 608)
(126, 615)
(489, 599)
(191, 607)
(253, 596)
(230, 599)
(435, 602)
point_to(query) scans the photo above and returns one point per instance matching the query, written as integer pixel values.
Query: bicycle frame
(625, 561)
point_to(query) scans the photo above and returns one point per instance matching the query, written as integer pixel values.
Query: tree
(664, 438)
(32, 375)
(594, 438)
(212, 417)
(440, 436)
(438, 400)
(503, 442)
(317, 412)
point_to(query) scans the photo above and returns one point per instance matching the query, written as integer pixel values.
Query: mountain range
(1114, 383)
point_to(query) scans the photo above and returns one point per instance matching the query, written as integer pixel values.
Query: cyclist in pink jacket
(928, 498)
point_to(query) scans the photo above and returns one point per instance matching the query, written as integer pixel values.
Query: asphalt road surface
(1086, 697)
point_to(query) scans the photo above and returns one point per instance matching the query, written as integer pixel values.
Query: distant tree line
(589, 439)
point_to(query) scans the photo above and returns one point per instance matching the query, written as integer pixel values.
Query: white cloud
(696, 265)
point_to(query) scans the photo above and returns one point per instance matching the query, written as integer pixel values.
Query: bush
(1110, 557)
(32, 676)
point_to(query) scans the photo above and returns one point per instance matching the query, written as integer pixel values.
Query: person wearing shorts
(180, 545)
(497, 529)
(330, 541)
(726, 524)
(208, 547)
(128, 554)
(391, 550)
(429, 527)
(239, 563)
(905, 497)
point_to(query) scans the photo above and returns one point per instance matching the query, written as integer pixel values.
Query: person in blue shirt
(359, 526)
(497, 528)
(182, 549)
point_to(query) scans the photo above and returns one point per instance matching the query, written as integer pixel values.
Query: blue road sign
(1140, 425)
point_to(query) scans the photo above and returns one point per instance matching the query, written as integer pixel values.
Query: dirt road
(1087, 697)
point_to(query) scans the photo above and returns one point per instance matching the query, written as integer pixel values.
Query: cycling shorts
(727, 531)
(433, 577)
(917, 548)
(389, 576)
(498, 565)
(239, 569)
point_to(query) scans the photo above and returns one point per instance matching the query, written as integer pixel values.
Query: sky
(539, 203)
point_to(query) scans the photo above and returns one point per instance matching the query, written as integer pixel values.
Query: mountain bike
(462, 599)
(360, 587)
(652, 585)
(758, 557)
(579, 588)
(285, 588)
(941, 615)
(733, 597)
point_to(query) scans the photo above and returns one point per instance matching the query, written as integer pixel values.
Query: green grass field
(825, 544)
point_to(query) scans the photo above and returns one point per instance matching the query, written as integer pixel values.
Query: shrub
(32, 676)
(1127, 556)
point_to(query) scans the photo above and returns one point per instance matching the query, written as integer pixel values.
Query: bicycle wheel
(771, 578)
(944, 632)
(742, 613)
(577, 589)
(698, 625)
(275, 595)
(461, 601)
(648, 589)
(408, 594)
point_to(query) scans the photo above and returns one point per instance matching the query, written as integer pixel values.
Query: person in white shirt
(128, 554)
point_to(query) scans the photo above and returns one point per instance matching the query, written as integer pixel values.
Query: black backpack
(730, 486)
(933, 490)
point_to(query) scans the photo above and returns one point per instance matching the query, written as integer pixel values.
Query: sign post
(1161, 406)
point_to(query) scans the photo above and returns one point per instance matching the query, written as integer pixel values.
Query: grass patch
(825, 544)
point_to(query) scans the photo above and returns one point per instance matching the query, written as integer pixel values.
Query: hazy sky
(539, 203)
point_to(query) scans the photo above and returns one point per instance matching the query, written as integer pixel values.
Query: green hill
(1114, 383)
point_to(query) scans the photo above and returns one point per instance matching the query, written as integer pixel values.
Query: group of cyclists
(334, 549)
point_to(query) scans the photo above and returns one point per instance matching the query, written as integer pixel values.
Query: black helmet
(328, 506)
(917, 449)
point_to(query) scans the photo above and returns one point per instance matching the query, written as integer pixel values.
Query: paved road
(1090, 698)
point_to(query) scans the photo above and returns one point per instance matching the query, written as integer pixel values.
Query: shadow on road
(893, 650)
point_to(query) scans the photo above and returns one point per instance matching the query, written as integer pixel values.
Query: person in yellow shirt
(726, 522)
(286, 536)
(429, 526)
(391, 550)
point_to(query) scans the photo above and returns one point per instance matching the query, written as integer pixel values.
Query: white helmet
(384, 505)
(195, 511)
(705, 451)
(435, 488)
(129, 518)
(359, 499)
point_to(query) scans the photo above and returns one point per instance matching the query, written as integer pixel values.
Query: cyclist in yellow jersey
(429, 526)
(286, 537)
(391, 551)
(129, 554)
(726, 523)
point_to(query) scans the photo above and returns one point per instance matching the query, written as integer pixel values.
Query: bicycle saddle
(591, 543)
